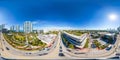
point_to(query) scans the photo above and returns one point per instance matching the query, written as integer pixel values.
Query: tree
(71, 46)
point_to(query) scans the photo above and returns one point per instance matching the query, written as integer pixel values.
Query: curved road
(15, 54)
(103, 54)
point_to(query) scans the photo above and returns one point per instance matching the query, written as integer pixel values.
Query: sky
(61, 14)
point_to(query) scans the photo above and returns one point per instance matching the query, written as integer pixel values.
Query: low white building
(78, 41)
(40, 31)
(47, 38)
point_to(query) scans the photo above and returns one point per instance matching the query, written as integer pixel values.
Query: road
(16, 54)
(102, 54)
(53, 52)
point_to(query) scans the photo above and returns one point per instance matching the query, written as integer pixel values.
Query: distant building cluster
(15, 28)
(27, 28)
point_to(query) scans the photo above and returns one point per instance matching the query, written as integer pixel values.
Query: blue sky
(74, 14)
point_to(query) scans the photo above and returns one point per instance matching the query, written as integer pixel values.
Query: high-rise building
(12, 28)
(2, 27)
(17, 28)
(27, 27)
(118, 28)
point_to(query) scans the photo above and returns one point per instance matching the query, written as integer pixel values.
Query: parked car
(109, 47)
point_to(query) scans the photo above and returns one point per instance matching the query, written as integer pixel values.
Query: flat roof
(78, 38)
(71, 40)
(46, 38)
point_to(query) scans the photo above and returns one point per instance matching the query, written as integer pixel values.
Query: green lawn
(75, 32)
(19, 39)
(99, 45)
(52, 32)
(86, 44)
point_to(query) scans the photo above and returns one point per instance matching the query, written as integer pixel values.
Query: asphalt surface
(52, 53)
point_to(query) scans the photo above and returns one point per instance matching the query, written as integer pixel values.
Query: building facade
(17, 28)
(118, 28)
(12, 28)
(2, 27)
(77, 41)
(27, 28)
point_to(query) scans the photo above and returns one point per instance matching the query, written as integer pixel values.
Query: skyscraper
(2, 26)
(17, 28)
(27, 27)
(12, 28)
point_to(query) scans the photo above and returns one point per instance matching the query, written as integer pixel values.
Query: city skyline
(61, 14)
(59, 29)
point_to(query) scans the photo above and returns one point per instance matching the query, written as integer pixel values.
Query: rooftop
(47, 38)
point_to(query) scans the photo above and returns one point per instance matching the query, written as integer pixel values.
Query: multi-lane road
(12, 53)
(102, 54)
(7, 51)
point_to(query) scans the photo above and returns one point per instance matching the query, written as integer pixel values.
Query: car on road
(30, 53)
(60, 50)
(2, 49)
(79, 53)
(114, 58)
(48, 49)
(118, 54)
(55, 47)
(93, 45)
(68, 50)
(40, 54)
(109, 47)
(60, 47)
(61, 54)
(45, 53)
(7, 48)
